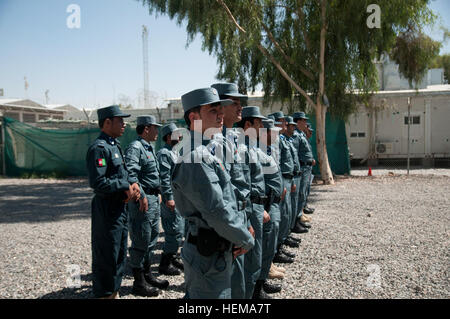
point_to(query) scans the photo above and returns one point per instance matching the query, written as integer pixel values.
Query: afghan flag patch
(101, 162)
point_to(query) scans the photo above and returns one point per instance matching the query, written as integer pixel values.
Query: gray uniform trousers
(285, 211)
(109, 235)
(202, 274)
(295, 198)
(238, 271)
(270, 240)
(173, 225)
(253, 258)
(304, 185)
(144, 231)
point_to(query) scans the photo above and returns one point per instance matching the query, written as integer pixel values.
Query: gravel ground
(385, 236)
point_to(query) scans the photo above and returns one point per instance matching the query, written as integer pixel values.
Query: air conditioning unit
(384, 148)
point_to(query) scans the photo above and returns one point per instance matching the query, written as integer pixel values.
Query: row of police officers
(230, 199)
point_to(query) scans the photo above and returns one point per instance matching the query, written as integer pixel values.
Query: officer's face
(290, 129)
(301, 124)
(233, 112)
(172, 139)
(257, 124)
(211, 116)
(152, 133)
(283, 125)
(116, 126)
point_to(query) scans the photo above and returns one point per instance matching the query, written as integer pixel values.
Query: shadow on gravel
(85, 290)
(45, 202)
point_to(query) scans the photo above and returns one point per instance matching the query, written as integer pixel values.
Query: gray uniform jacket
(166, 160)
(205, 197)
(143, 165)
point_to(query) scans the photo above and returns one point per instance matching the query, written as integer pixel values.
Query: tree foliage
(443, 61)
(414, 53)
(290, 31)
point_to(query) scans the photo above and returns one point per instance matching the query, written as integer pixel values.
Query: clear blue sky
(96, 64)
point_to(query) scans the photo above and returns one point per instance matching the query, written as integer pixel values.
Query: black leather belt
(241, 204)
(209, 242)
(152, 191)
(298, 174)
(288, 176)
(305, 163)
(260, 200)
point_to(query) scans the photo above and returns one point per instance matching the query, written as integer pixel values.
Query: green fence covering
(337, 148)
(31, 150)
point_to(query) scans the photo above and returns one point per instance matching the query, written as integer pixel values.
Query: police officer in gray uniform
(113, 187)
(144, 216)
(204, 195)
(251, 123)
(171, 221)
(306, 161)
(307, 209)
(238, 170)
(287, 172)
(293, 143)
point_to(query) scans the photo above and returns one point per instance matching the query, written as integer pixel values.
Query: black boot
(281, 258)
(177, 262)
(271, 288)
(155, 282)
(259, 293)
(140, 286)
(299, 229)
(165, 266)
(284, 251)
(297, 240)
(304, 224)
(291, 243)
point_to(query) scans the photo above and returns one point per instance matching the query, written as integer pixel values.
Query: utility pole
(26, 85)
(409, 124)
(145, 65)
(46, 97)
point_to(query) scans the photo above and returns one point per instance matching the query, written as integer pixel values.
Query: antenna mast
(145, 56)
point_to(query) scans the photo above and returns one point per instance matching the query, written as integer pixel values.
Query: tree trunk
(322, 155)
(321, 110)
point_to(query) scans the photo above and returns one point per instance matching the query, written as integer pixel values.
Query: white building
(381, 131)
(27, 111)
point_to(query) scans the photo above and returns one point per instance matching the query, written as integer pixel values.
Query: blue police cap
(270, 124)
(201, 97)
(228, 89)
(252, 112)
(271, 117)
(299, 115)
(147, 120)
(110, 111)
(168, 129)
(289, 120)
(277, 115)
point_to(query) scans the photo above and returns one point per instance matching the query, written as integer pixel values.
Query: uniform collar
(169, 147)
(110, 140)
(146, 144)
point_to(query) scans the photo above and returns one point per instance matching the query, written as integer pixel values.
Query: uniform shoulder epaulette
(135, 144)
(99, 143)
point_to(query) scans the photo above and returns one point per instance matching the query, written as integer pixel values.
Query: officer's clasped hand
(266, 217)
(133, 193)
(171, 204)
(143, 204)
